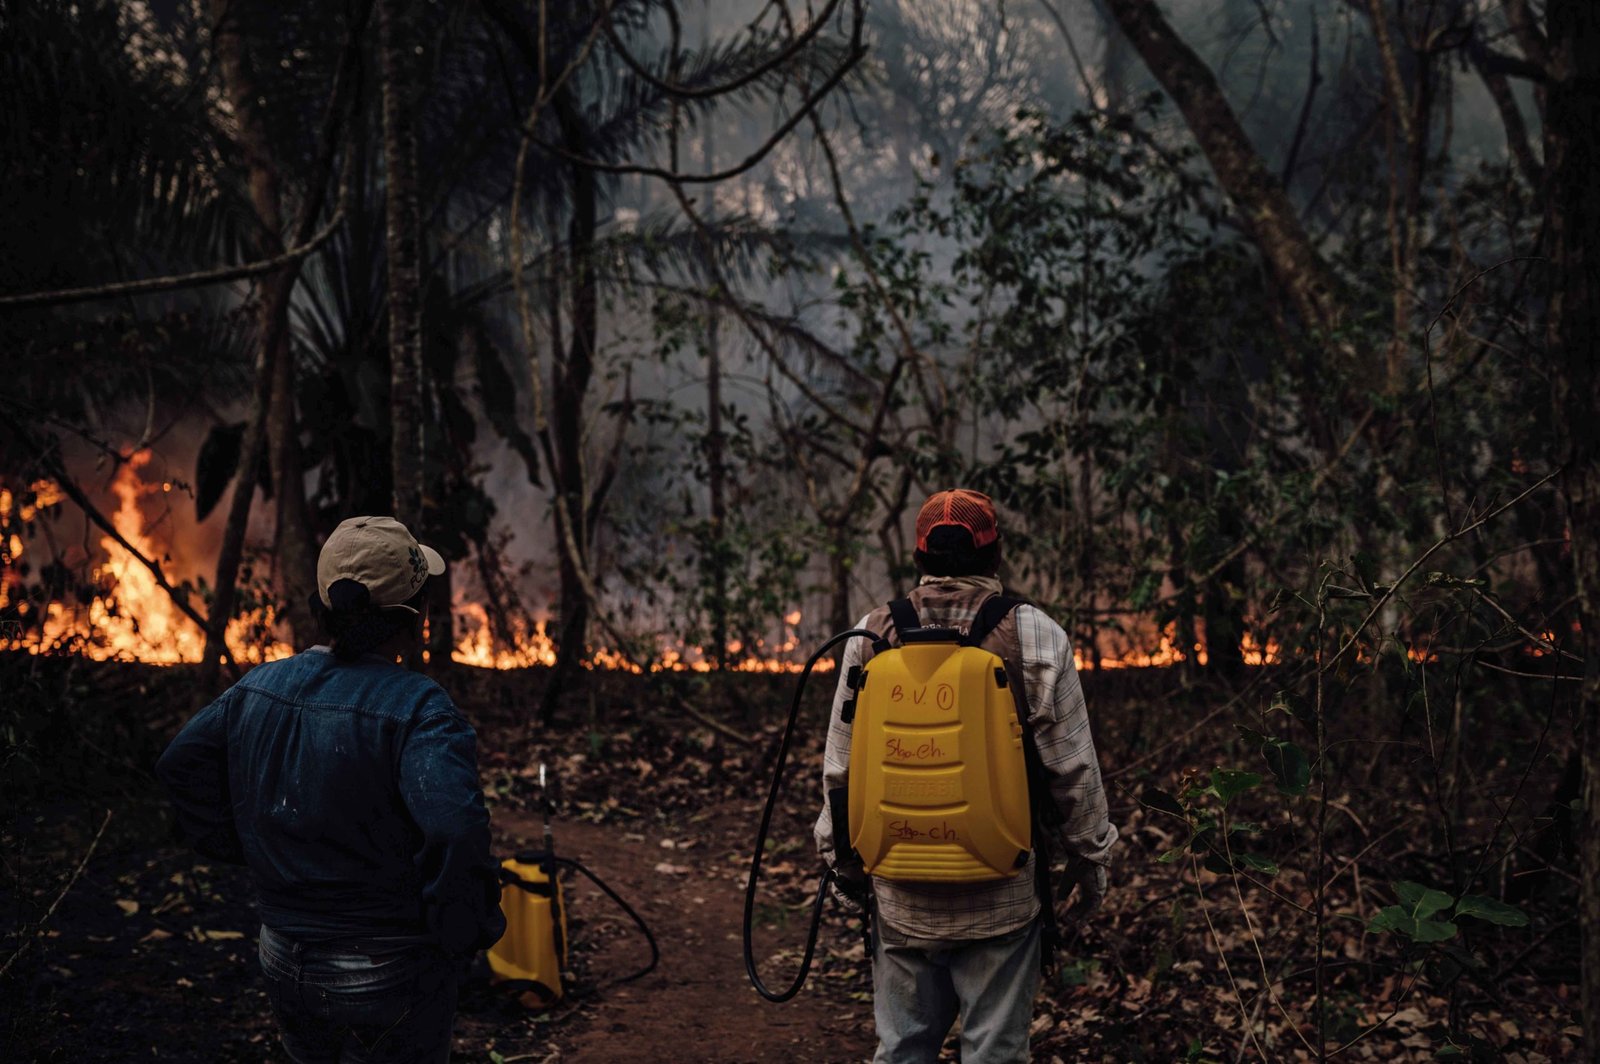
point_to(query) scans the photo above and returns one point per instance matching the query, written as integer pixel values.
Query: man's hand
(1089, 880)
(850, 879)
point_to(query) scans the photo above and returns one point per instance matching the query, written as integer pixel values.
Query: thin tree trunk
(1572, 210)
(401, 252)
(839, 565)
(716, 474)
(271, 423)
(569, 388)
(294, 549)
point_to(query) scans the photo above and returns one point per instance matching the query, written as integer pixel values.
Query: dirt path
(686, 880)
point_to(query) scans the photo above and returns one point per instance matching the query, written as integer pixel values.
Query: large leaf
(1420, 901)
(215, 466)
(1259, 864)
(1228, 783)
(1289, 764)
(1490, 910)
(1156, 798)
(1396, 920)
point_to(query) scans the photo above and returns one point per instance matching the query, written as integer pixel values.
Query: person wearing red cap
(974, 950)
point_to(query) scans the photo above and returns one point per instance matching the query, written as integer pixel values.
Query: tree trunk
(294, 550)
(569, 386)
(1264, 209)
(716, 474)
(401, 239)
(272, 420)
(1572, 214)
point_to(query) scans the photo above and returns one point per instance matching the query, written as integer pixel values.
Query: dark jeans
(335, 1004)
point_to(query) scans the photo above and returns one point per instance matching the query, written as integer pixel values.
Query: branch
(1305, 107)
(180, 598)
(1072, 49)
(1264, 208)
(1510, 114)
(200, 278)
(858, 51)
(672, 88)
(1509, 65)
(1383, 600)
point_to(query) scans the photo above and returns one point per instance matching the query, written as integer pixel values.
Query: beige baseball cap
(380, 553)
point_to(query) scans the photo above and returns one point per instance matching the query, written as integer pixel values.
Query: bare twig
(1305, 107)
(689, 92)
(1222, 956)
(32, 935)
(1383, 600)
(857, 52)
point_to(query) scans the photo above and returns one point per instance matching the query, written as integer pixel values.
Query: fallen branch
(33, 933)
(682, 705)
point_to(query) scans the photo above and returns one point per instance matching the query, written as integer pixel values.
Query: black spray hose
(655, 951)
(761, 840)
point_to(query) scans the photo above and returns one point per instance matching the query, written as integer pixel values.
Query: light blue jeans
(920, 986)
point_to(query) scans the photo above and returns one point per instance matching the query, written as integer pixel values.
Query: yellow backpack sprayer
(945, 783)
(532, 954)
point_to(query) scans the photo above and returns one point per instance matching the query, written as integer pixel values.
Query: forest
(1269, 326)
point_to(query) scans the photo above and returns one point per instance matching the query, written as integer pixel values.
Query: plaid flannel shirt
(1060, 723)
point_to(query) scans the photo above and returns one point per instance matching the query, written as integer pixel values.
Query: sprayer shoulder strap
(1042, 806)
(995, 609)
(904, 616)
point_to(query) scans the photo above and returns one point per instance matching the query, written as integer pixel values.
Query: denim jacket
(350, 789)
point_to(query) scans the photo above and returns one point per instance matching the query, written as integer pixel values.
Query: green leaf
(1394, 919)
(1434, 930)
(1228, 783)
(1490, 910)
(1421, 902)
(1156, 798)
(1171, 856)
(1289, 764)
(1397, 920)
(1260, 864)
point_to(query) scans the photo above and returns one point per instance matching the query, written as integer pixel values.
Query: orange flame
(131, 617)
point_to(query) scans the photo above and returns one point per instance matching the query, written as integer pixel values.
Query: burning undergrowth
(132, 586)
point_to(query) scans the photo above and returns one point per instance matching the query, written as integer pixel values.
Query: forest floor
(147, 953)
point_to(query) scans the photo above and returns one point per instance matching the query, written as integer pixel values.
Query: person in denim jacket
(348, 785)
